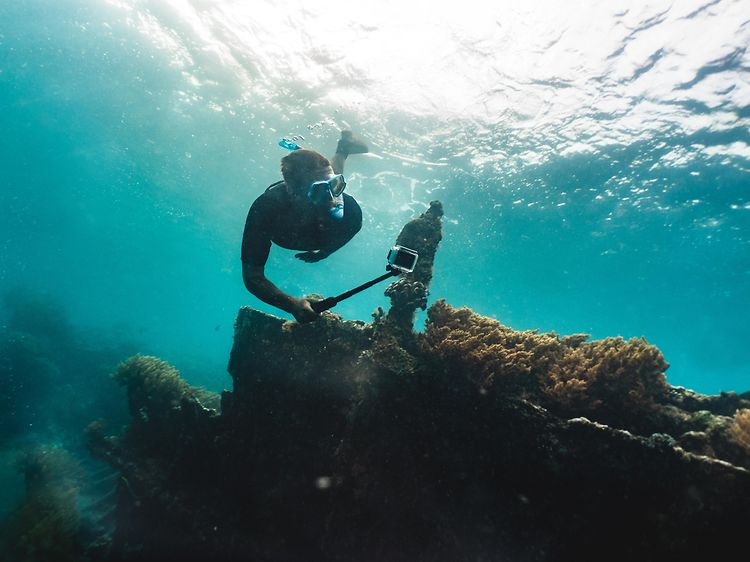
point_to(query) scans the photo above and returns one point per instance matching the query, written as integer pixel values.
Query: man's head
(300, 168)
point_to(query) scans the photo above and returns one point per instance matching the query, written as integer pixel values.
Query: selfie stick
(330, 302)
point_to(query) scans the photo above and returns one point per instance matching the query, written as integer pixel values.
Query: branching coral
(155, 387)
(568, 373)
(489, 353)
(612, 373)
(740, 428)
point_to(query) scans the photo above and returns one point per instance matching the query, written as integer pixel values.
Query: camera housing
(402, 259)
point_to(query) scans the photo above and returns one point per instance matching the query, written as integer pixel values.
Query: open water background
(592, 159)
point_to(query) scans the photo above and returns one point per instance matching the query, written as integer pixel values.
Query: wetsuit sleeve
(256, 240)
(351, 225)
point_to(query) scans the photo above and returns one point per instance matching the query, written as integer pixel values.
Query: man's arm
(257, 283)
(256, 244)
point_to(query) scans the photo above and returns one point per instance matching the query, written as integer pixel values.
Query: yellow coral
(567, 372)
(740, 428)
(489, 353)
(153, 385)
(624, 374)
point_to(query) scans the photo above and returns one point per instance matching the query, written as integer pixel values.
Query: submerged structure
(344, 440)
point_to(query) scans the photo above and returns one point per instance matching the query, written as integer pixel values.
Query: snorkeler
(308, 210)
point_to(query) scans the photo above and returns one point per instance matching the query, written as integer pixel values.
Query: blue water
(593, 165)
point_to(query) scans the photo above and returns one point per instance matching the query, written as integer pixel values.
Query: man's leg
(348, 144)
(337, 163)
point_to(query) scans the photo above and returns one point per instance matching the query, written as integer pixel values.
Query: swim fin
(350, 144)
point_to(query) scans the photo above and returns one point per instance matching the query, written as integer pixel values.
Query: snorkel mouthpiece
(337, 212)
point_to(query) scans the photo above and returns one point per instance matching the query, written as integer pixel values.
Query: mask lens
(317, 191)
(321, 191)
(337, 185)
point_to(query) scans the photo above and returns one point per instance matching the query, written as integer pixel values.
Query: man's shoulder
(351, 205)
(352, 214)
(349, 200)
(275, 191)
(274, 194)
(276, 187)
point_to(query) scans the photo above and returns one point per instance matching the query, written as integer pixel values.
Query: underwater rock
(410, 291)
(351, 441)
(423, 234)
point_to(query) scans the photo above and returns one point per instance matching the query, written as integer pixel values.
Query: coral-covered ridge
(346, 440)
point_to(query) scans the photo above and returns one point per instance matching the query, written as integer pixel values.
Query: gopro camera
(402, 259)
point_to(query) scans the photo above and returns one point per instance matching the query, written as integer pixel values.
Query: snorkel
(291, 144)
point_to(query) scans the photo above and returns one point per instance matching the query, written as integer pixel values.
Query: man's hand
(311, 257)
(303, 311)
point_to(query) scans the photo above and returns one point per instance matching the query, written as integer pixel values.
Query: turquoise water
(592, 161)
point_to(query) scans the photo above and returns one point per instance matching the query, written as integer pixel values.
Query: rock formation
(343, 440)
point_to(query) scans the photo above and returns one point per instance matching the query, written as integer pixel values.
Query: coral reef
(154, 387)
(423, 234)
(410, 292)
(46, 524)
(600, 374)
(611, 380)
(741, 428)
(472, 441)
(156, 394)
(493, 355)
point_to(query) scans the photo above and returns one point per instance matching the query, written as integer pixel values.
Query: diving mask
(323, 191)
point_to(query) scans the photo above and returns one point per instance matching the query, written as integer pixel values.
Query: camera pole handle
(325, 304)
(330, 302)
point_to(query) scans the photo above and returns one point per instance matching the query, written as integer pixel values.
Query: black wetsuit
(272, 219)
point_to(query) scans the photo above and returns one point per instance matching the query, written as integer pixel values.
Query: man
(308, 211)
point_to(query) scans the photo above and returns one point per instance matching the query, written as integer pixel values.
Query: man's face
(330, 202)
